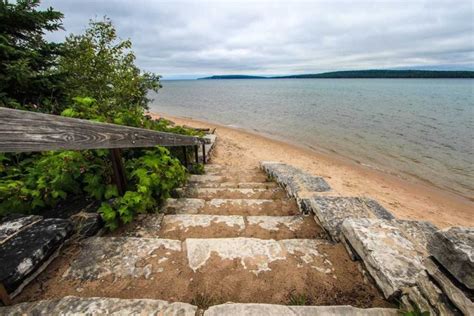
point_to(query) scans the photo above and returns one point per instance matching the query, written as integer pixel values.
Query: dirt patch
(308, 229)
(284, 279)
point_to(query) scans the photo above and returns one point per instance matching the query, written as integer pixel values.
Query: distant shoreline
(363, 74)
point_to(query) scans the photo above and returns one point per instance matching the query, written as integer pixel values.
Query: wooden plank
(24, 131)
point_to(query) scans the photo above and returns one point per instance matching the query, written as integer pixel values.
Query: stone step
(240, 185)
(237, 309)
(100, 306)
(280, 207)
(222, 169)
(230, 193)
(215, 168)
(235, 178)
(214, 270)
(219, 226)
(228, 173)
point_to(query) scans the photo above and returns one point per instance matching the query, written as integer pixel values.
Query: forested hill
(235, 77)
(363, 74)
(388, 74)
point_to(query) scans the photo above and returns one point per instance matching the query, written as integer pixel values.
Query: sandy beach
(406, 199)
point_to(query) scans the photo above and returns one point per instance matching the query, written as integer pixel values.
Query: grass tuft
(298, 299)
(203, 301)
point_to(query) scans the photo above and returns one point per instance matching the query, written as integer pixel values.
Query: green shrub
(197, 169)
(152, 177)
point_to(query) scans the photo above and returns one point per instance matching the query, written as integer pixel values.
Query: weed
(298, 299)
(197, 169)
(203, 301)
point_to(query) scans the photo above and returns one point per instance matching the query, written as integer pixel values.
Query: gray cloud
(177, 38)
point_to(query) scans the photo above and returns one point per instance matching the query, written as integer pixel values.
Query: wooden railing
(24, 131)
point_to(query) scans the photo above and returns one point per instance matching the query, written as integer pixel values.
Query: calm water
(413, 127)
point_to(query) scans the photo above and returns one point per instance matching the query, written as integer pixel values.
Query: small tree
(100, 66)
(28, 63)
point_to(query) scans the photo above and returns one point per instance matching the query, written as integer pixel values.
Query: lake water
(410, 127)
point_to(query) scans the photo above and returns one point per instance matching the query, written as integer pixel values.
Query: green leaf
(69, 113)
(111, 191)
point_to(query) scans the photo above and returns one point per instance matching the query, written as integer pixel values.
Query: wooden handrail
(24, 131)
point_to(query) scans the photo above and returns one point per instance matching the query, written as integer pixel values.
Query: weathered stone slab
(438, 301)
(29, 250)
(205, 178)
(87, 224)
(234, 184)
(10, 227)
(230, 206)
(420, 301)
(296, 182)
(419, 232)
(391, 258)
(230, 193)
(293, 223)
(255, 255)
(71, 305)
(183, 206)
(244, 203)
(145, 225)
(214, 168)
(454, 249)
(456, 295)
(237, 309)
(271, 223)
(185, 222)
(331, 211)
(119, 257)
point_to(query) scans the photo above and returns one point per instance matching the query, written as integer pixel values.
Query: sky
(190, 39)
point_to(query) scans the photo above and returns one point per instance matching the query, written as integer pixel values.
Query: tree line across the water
(89, 76)
(361, 74)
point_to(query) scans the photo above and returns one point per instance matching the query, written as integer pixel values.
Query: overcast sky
(181, 39)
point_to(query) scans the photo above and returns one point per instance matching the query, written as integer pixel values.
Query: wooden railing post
(185, 156)
(196, 154)
(119, 170)
(203, 153)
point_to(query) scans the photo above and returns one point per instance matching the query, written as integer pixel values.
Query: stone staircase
(228, 236)
(262, 241)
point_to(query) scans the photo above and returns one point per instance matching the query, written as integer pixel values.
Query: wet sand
(406, 199)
